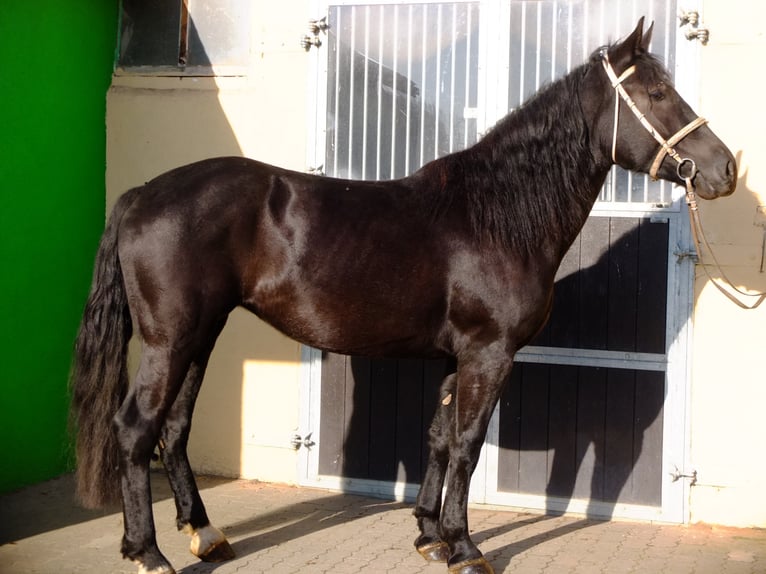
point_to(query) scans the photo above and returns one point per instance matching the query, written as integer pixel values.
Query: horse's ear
(647, 39)
(635, 44)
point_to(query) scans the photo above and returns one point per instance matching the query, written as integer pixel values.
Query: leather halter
(666, 146)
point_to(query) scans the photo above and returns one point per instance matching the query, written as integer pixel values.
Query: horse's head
(646, 126)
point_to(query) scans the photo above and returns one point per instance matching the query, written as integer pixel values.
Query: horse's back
(321, 259)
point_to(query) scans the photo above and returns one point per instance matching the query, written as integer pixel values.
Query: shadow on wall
(727, 222)
(156, 122)
(566, 432)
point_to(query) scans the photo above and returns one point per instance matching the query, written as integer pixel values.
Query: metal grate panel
(402, 86)
(549, 38)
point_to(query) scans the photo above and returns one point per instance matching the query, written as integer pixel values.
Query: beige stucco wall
(728, 389)
(248, 407)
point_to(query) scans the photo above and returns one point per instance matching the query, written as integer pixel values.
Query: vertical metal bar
(586, 31)
(468, 40)
(554, 38)
(437, 112)
(522, 51)
(570, 24)
(352, 86)
(408, 127)
(538, 44)
(183, 39)
(453, 51)
(336, 121)
(365, 88)
(424, 54)
(394, 86)
(379, 120)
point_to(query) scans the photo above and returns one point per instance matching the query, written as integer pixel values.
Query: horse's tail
(99, 377)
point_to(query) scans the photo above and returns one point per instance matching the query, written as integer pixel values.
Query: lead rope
(698, 235)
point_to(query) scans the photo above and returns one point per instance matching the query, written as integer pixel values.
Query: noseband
(666, 146)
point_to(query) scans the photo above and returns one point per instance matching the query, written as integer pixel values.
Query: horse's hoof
(220, 552)
(158, 570)
(434, 551)
(474, 566)
(210, 545)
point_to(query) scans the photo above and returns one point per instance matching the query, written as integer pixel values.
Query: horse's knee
(442, 422)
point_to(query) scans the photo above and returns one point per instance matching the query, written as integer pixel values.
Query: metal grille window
(548, 38)
(175, 37)
(403, 79)
(402, 86)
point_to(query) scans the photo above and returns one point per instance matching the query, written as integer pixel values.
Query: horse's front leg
(428, 506)
(479, 382)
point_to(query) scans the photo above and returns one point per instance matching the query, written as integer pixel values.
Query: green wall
(56, 66)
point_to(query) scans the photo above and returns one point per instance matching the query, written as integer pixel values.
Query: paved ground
(280, 529)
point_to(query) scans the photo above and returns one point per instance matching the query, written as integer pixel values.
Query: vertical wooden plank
(356, 435)
(650, 399)
(382, 444)
(591, 404)
(509, 432)
(332, 414)
(562, 431)
(563, 324)
(409, 400)
(594, 283)
(652, 286)
(618, 436)
(533, 445)
(623, 283)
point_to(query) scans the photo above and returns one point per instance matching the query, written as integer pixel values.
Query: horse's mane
(530, 176)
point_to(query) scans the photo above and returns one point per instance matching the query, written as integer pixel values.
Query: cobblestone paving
(280, 529)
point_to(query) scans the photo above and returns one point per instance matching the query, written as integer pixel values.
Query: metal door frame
(493, 104)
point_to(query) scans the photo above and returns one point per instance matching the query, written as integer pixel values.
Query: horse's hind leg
(428, 506)
(208, 543)
(137, 426)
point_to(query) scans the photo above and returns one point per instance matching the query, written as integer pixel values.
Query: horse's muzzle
(717, 179)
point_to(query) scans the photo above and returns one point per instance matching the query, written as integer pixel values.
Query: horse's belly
(356, 325)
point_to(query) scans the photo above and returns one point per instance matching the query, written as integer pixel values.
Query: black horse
(457, 260)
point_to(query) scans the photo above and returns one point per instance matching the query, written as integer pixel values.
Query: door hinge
(676, 474)
(682, 254)
(298, 441)
(690, 19)
(315, 28)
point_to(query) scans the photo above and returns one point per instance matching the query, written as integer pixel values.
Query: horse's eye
(657, 93)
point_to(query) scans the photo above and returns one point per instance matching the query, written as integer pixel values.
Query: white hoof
(160, 570)
(210, 544)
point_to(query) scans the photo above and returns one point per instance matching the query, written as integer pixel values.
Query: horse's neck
(560, 189)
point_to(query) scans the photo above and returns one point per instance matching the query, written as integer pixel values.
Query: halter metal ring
(692, 171)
